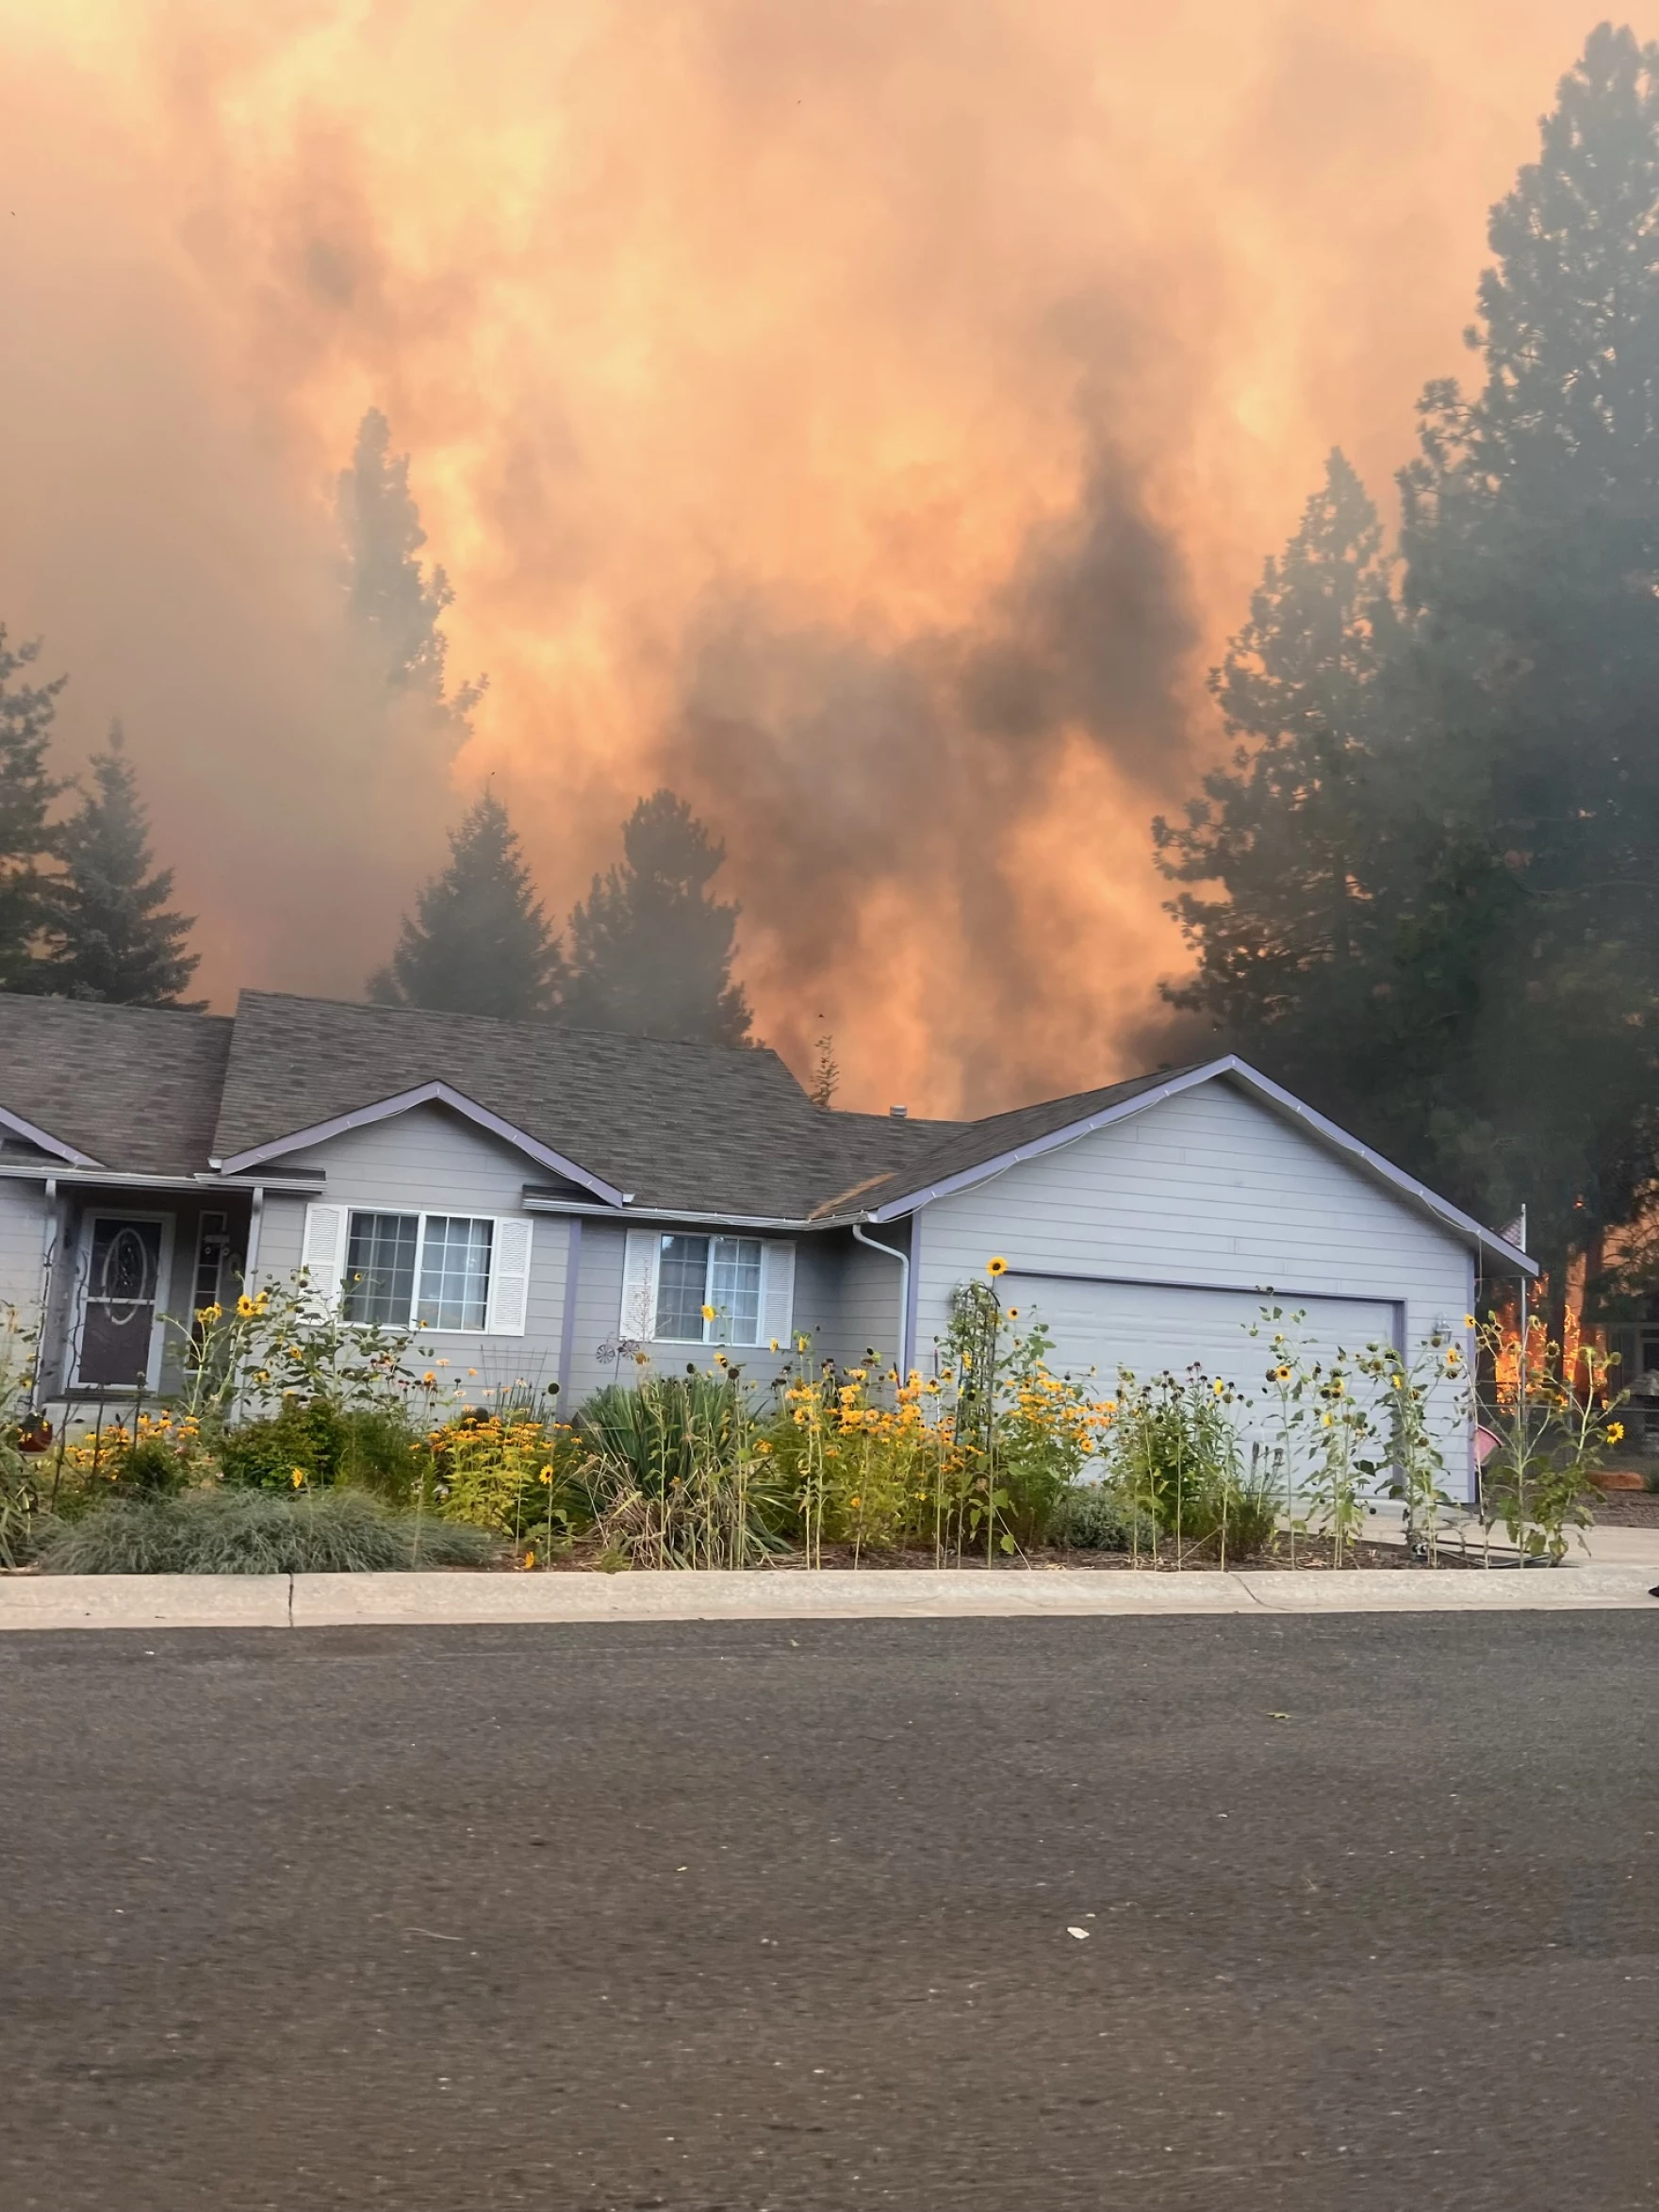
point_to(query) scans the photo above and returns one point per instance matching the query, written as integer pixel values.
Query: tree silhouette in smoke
(108, 932)
(26, 792)
(394, 605)
(651, 949)
(479, 942)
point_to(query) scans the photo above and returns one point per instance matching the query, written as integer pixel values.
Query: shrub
(370, 1447)
(1092, 1517)
(245, 1532)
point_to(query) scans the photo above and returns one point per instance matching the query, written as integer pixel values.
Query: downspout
(48, 1265)
(904, 1292)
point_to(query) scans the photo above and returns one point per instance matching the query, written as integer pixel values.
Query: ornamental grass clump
(676, 1475)
(253, 1532)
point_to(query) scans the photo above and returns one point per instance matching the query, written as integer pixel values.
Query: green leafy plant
(1092, 1516)
(1413, 1418)
(20, 1496)
(1554, 1427)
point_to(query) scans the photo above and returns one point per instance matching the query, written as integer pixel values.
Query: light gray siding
(1207, 1191)
(22, 1217)
(598, 1313)
(871, 1315)
(431, 1161)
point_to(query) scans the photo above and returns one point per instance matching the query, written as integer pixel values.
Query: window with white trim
(708, 1290)
(418, 1270)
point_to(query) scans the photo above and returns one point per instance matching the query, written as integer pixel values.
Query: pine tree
(1532, 543)
(1287, 829)
(108, 932)
(395, 606)
(26, 792)
(1447, 928)
(479, 943)
(651, 949)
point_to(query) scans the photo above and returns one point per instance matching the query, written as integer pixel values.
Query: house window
(380, 1268)
(419, 1270)
(719, 1272)
(454, 1272)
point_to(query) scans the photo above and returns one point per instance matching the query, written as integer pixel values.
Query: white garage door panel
(1149, 1327)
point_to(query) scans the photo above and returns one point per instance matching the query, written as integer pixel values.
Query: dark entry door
(123, 1279)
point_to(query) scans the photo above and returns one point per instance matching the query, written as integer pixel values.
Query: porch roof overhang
(192, 1186)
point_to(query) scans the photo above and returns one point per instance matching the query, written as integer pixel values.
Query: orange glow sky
(869, 415)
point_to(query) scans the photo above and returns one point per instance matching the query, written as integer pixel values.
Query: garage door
(1150, 1326)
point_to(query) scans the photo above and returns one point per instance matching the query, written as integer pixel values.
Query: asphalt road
(776, 1915)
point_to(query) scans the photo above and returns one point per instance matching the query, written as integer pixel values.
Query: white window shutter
(509, 1275)
(323, 1252)
(638, 1324)
(778, 1295)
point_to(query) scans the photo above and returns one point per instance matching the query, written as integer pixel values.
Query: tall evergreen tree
(1288, 829)
(1498, 1023)
(395, 606)
(479, 943)
(651, 949)
(1532, 543)
(108, 932)
(26, 792)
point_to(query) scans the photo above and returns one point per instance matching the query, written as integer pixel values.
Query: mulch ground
(1627, 1509)
(1312, 1553)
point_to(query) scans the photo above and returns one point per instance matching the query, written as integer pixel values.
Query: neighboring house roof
(134, 1088)
(685, 1128)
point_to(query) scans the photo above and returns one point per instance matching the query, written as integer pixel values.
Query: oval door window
(118, 1317)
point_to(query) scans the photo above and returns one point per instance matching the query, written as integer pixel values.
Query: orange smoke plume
(869, 415)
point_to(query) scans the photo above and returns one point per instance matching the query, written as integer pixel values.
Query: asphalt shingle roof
(705, 1128)
(708, 1128)
(134, 1087)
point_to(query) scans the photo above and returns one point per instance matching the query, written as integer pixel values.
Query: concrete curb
(317, 1601)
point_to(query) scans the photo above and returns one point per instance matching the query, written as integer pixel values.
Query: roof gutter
(587, 1208)
(49, 1172)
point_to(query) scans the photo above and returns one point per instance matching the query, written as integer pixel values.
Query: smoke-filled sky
(869, 416)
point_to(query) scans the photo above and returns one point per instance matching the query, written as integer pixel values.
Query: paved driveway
(778, 1915)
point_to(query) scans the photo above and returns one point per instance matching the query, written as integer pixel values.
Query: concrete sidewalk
(1601, 1545)
(317, 1601)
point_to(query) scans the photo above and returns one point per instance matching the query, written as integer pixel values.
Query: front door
(118, 1336)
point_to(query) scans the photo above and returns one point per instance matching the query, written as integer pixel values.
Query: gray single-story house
(541, 1203)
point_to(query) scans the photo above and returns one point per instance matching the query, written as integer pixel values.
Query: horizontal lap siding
(599, 1311)
(23, 1223)
(1207, 1188)
(871, 1313)
(431, 1161)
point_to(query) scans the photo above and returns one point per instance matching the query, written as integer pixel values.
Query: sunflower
(997, 1266)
